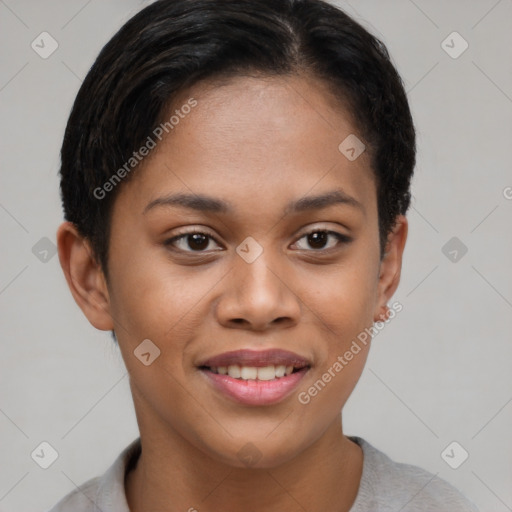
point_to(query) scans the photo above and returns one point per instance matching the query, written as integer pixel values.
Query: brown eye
(323, 239)
(191, 242)
(197, 241)
(318, 239)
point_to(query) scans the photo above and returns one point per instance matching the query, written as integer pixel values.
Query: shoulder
(104, 493)
(387, 485)
(82, 499)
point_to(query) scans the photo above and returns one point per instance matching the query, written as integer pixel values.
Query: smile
(254, 377)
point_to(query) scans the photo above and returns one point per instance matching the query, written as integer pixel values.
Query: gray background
(438, 373)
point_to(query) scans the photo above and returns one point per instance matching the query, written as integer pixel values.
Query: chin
(256, 452)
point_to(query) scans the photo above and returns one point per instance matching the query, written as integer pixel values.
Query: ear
(84, 276)
(390, 267)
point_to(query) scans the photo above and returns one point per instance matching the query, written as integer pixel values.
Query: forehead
(250, 137)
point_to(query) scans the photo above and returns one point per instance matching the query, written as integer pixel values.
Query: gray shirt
(386, 486)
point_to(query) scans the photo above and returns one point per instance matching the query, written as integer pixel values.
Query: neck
(172, 475)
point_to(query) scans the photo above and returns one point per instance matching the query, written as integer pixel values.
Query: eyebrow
(323, 201)
(205, 203)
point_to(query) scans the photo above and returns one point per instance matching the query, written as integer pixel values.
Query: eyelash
(342, 239)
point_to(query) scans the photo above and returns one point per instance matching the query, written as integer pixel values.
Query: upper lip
(257, 358)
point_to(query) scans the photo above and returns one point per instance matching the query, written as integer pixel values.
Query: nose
(258, 296)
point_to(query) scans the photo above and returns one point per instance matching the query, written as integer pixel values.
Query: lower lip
(256, 392)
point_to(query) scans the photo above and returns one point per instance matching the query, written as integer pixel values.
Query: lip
(256, 392)
(257, 358)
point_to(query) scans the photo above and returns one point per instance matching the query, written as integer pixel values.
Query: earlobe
(391, 267)
(84, 276)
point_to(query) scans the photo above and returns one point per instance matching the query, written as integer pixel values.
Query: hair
(173, 44)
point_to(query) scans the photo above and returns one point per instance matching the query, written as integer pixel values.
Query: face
(247, 243)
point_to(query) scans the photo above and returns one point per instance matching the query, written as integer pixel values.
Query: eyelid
(313, 229)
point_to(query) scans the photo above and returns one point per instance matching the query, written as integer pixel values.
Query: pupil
(199, 241)
(317, 239)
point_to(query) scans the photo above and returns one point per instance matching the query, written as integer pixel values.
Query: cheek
(155, 298)
(342, 302)
(156, 301)
(343, 306)
(340, 297)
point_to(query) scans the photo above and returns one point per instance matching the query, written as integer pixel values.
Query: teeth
(252, 373)
(266, 373)
(280, 370)
(248, 372)
(234, 371)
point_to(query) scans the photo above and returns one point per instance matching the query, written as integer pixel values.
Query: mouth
(255, 377)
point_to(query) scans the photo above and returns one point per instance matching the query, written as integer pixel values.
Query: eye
(192, 241)
(322, 239)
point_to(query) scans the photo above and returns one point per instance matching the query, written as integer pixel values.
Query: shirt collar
(111, 496)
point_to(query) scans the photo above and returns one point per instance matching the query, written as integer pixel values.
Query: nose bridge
(256, 278)
(257, 293)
